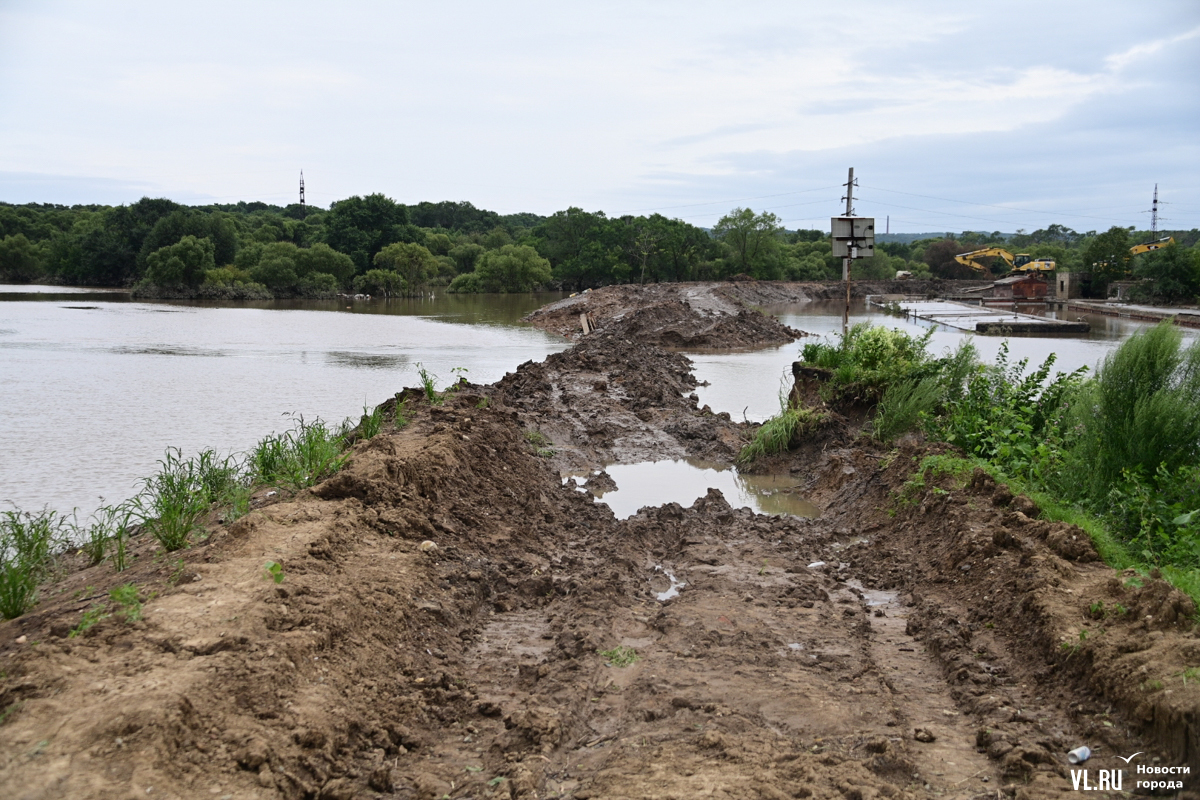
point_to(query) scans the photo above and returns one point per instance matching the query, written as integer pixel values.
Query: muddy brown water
(97, 385)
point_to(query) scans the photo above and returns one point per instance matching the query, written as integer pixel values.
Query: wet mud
(455, 621)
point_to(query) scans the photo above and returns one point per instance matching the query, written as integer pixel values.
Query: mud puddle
(625, 488)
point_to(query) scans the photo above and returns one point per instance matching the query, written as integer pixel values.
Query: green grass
(88, 620)
(429, 385)
(173, 501)
(299, 458)
(537, 438)
(901, 407)
(401, 416)
(127, 601)
(26, 543)
(619, 656)
(371, 422)
(776, 434)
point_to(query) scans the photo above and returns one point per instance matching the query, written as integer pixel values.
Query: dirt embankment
(914, 641)
(713, 315)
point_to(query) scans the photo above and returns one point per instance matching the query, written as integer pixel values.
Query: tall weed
(26, 542)
(301, 457)
(173, 500)
(902, 407)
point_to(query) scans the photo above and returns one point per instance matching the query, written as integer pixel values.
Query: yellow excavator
(1138, 249)
(1022, 262)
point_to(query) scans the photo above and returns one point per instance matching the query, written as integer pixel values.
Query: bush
(467, 283)
(382, 282)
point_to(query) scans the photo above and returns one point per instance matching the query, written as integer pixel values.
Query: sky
(955, 116)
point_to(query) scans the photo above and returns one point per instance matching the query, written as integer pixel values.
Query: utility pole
(1154, 216)
(303, 208)
(849, 198)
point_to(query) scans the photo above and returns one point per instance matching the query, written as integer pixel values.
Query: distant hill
(909, 238)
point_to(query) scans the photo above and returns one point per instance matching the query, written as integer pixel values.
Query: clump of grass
(173, 501)
(127, 601)
(401, 416)
(371, 422)
(537, 438)
(26, 542)
(902, 406)
(298, 458)
(108, 532)
(777, 434)
(429, 385)
(619, 656)
(90, 617)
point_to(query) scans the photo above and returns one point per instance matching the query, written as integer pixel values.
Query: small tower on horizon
(304, 208)
(1154, 215)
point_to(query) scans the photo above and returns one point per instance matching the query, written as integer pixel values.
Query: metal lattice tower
(303, 208)
(1154, 216)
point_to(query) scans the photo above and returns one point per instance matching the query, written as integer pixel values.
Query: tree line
(374, 245)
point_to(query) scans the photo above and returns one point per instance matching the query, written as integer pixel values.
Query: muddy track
(905, 644)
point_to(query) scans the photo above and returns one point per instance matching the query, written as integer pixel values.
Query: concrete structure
(1069, 285)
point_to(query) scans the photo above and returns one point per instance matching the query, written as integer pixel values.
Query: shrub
(382, 282)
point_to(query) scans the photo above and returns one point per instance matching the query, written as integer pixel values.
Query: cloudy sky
(955, 116)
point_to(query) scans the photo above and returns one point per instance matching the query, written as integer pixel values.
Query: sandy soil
(941, 642)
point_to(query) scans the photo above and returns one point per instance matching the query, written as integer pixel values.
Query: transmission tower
(1154, 215)
(304, 208)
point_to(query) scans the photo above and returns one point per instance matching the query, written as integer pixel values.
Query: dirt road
(915, 641)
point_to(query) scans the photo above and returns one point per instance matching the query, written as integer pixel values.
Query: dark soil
(449, 612)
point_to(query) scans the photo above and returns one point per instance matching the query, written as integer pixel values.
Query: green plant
(298, 458)
(483, 403)
(619, 656)
(8, 712)
(173, 501)
(537, 438)
(177, 573)
(429, 385)
(273, 571)
(89, 618)
(125, 598)
(902, 406)
(1097, 611)
(371, 422)
(401, 416)
(26, 541)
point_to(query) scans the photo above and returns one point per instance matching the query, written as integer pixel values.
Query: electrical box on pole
(853, 237)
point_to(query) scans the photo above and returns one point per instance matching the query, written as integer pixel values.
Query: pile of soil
(690, 316)
(455, 621)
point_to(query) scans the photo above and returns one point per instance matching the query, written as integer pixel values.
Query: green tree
(512, 268)
(412, 262)
(1107, 256)
(324, 259)
(940, 257)
(187, 222)
(360, 227)
(753, 242)
(465, 255)
(1173, 272)
(20, 260)
(381, 282)
(181, 264)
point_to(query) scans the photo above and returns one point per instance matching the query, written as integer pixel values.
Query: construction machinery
(1148, 247)
(1022, 262)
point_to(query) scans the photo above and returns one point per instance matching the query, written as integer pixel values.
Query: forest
(374, 245)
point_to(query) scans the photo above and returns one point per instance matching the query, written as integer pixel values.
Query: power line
(989, 205)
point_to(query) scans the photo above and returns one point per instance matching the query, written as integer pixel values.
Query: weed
(537, 438)
(619, 656)
(483, 403)
(177, 574)
(902, 406)
(546, 452)
(371, 422)
(110, 525)
(26, 541)
(173, 501)
(90, 618)
(1097, 611)
(1120, 610)
(763, 568)
(429, 385)
(299, 458)
(496, 781)
(273, 571)
(401, 417)
(1190, 672)
(8, 713)
(125, 598)
(1152, 686)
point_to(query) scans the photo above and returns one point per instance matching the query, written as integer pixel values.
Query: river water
(94, 386)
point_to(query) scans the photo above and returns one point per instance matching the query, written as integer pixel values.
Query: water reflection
(656, 483)
(366, 360)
